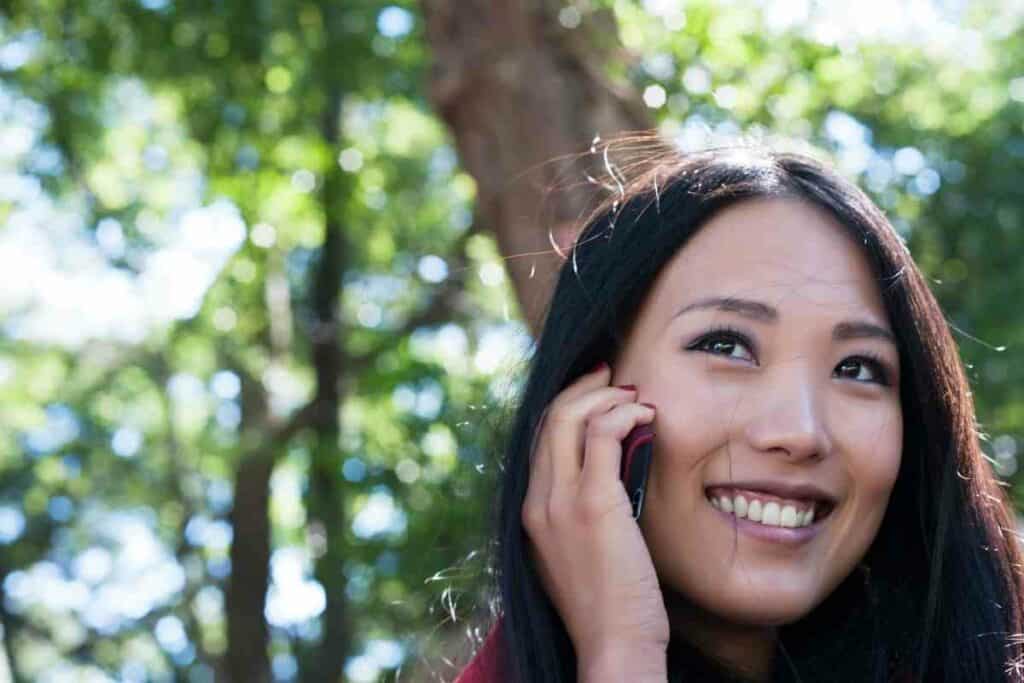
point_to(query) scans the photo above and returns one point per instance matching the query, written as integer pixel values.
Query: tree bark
(518, 89)
(246, 657)
(9, 670)
(325, 496)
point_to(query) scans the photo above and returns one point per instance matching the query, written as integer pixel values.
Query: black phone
(637, 451)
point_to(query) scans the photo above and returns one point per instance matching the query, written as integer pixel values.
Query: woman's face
(792, 406)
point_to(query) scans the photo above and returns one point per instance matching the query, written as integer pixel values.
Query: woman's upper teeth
(763, 508)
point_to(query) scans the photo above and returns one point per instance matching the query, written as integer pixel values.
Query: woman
(818, 507)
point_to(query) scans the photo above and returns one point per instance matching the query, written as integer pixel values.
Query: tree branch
(523, 98)
(443, 301)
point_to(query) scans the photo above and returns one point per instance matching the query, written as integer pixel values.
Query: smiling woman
(796, 395)
(817, 506)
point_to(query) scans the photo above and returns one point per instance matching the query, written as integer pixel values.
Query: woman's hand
(591, 556)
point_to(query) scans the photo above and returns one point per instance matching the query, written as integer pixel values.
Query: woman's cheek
(693, 412)
(871, 437)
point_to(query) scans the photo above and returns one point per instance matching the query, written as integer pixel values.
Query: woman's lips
(769, 508)
(783, 526)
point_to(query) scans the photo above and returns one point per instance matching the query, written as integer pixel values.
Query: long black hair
(938, 594)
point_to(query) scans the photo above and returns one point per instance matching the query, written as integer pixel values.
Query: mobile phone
(637, 451)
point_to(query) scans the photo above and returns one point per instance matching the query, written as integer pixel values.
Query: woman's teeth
(771, 513)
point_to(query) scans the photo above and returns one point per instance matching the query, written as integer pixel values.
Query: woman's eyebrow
(762, 312)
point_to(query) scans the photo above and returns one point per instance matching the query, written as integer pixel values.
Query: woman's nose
(788, 415)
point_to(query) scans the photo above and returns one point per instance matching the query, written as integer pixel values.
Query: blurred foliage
(168, 171)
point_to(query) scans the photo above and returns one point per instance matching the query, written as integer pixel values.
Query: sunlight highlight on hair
(990, 347)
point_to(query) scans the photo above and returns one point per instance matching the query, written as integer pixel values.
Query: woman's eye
(863, 370)
(735, 345)
(729, 345)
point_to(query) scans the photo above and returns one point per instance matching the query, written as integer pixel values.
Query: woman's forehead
(783, 251)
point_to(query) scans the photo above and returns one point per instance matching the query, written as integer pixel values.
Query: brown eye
(724, 347)
(862, 369)
(724, 343)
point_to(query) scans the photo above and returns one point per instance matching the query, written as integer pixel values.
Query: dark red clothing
(486, 666)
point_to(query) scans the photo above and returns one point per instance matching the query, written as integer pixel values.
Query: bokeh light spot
(263, 235)
(432, 268)
(350, 160)
(303, 180)
(278, 80)
(126, 442)
(655, 96)
(394, 22)
(569, 17)
(12, 524)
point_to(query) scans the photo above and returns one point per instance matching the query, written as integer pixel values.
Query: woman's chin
(747, 606)
(773, 606)
(770, 614)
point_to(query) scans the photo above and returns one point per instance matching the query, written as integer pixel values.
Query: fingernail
(649, 405)
(628, 387)
(603, 365)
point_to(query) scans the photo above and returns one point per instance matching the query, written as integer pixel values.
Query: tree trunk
(9, 670)
(246, 658)
(518, 89)
(324, 498)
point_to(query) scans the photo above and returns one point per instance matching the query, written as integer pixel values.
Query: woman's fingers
(588, 550)
(544, 457)
(567, 424)
(603, 446)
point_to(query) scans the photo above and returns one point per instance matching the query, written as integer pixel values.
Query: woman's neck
(747, 650)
